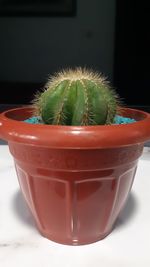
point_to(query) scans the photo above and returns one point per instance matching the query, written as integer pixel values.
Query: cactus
(77, 97)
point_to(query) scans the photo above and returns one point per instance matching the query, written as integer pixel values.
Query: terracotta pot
(75, 179)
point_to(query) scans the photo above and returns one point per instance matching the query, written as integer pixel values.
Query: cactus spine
(77, 97)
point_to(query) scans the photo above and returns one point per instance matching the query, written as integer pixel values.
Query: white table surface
(22, 245)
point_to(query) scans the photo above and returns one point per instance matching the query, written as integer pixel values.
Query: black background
(131, 59)
(132, 52)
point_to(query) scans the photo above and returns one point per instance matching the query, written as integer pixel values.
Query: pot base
(75, 242)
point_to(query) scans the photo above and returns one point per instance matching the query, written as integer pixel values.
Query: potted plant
(77, 172)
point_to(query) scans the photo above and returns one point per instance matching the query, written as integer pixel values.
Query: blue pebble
(34, 120)
(118, 120)
(123, 120)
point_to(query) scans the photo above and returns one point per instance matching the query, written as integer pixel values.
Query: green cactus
(77, 97)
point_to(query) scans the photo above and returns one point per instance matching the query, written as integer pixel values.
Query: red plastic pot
(75, 179)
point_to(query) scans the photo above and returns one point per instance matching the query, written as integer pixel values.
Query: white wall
(33, 47)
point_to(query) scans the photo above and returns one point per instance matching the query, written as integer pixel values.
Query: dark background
(107, 35)
(132, 52)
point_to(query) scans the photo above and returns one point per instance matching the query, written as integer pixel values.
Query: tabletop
(22, 245)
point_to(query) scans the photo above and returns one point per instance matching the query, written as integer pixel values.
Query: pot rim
(13, 129)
